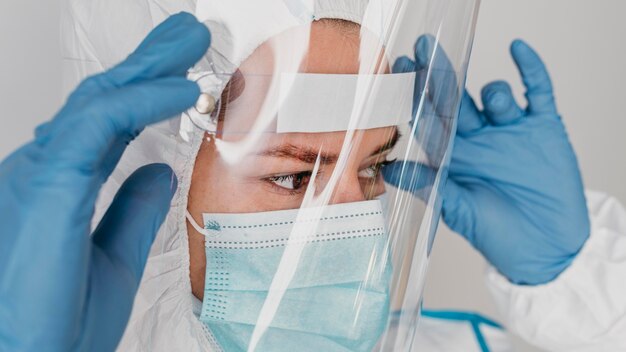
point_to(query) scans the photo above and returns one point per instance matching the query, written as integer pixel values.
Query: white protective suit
(584, 309)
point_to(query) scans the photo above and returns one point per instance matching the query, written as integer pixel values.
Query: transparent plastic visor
(327, 139)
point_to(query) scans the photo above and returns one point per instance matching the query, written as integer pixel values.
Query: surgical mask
(335, 294)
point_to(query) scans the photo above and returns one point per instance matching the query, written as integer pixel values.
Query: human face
(276, 173)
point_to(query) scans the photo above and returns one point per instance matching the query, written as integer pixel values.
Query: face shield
(324, 132)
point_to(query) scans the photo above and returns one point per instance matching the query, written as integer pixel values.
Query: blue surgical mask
(334, 296)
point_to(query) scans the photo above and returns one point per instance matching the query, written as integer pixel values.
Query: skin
(274, 175)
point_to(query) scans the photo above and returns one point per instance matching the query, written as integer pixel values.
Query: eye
(372, 171)
(292, 182)
(369, 172)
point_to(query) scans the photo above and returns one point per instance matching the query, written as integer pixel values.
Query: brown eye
(291, 182)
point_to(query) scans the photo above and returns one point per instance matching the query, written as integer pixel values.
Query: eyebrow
(390, 144)
(310, 155)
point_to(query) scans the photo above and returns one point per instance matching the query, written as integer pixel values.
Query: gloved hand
(514, 189)
(60, 288)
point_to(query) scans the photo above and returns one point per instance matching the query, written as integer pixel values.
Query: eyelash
(273, 180)
(306, 175)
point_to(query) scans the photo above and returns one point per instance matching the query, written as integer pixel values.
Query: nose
(348, 189)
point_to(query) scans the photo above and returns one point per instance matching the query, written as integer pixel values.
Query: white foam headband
(313, 103)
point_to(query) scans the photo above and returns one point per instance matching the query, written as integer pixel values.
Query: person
(540, 267)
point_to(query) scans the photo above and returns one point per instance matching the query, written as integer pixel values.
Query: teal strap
(473, 318)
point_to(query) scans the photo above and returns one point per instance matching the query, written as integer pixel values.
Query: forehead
(324, 46)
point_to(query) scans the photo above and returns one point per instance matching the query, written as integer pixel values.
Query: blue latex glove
(60, 288)
(514, 189)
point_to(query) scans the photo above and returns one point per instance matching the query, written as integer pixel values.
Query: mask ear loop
(195, 225)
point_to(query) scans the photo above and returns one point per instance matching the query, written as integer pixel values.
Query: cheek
(212, 187)
(216, 189)
(373, 188)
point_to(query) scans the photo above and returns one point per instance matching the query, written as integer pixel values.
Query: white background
(582, 42)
